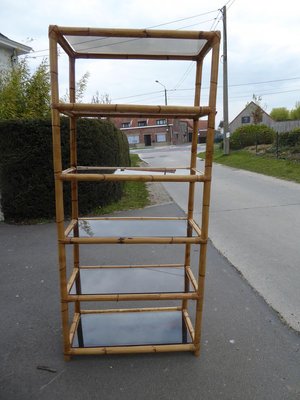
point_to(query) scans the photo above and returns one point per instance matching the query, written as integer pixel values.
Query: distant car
(219, 136)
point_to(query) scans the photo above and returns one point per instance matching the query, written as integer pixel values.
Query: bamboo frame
(127, 349)
(132, 296)
(75, 174)
(123, 110)
(163, 175)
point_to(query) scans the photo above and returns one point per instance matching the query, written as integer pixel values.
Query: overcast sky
(263, 47)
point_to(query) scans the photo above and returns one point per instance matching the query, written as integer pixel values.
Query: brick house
(158, 131)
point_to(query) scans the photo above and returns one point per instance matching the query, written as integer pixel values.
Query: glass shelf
(132, 230)
(136, 280)
(130, 328)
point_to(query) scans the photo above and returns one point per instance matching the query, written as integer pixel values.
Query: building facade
(142, 132)
(246, 117)
(9, 52)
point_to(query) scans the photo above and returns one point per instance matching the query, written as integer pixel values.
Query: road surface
(254, 222)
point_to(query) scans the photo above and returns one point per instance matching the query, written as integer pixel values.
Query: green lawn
(135, 194)
(242, 159)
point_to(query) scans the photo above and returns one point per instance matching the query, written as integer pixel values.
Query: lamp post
(165, 89)
(166, 103)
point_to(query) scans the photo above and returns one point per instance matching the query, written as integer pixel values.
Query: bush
(26, 169)
(289, 139)
(249, 135)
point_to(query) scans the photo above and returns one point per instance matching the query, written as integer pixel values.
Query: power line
(151, 27)
(182, 19)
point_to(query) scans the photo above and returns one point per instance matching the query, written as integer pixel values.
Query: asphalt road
(254, 222)
(247, 352)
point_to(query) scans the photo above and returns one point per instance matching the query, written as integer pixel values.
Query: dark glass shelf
(132, 227)
(131, 329)
(135, 280)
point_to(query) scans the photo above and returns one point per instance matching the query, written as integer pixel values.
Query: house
(10, 50)
(246, 117)
(158, 131)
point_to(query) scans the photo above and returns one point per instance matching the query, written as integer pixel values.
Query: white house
(245, 117)
(10, 50)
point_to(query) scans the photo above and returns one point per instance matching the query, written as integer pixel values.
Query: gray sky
(263, 46)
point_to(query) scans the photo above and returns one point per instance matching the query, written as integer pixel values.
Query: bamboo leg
(74, 184)
(206, 195)
(57, 162)
(193, 164)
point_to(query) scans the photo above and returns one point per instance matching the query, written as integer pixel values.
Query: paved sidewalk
(247, 352)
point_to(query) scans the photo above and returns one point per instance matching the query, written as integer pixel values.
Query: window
(142, 123)
(160, 137)
(133, 139)
(246, 120)
(125, 124)
(161, 122)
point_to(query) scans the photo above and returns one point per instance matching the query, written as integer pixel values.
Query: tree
(295, 113)
(280, 114)
(257, 112)
(101, 98)
(80, 88)
(25, 95)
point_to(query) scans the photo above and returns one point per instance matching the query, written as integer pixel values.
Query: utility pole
(225, 86)
(166, 103)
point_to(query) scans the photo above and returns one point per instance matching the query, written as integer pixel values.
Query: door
(147, 139)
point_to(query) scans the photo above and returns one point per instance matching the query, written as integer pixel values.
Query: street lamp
(165, 89)
(166, 103)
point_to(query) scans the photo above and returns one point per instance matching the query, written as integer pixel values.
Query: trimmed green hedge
(26, 167)
(289, 139)
(249, 135)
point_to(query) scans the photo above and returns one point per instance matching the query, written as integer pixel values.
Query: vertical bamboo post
(74, 184)
(57, 163)
(193, 164)
(206, 192)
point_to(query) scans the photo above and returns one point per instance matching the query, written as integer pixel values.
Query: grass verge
(135, 194)
(283, 169)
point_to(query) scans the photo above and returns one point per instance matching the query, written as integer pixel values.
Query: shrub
(249, 135)
(26, 169)
(289, 139)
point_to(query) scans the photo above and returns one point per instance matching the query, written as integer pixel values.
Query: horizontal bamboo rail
(80, 109)
(134, 240)
(132, 296)
(134, 33)
(131, 349)
(130, 310)
(128, 177)
(133, 219)
(146, 266)
(121, 56)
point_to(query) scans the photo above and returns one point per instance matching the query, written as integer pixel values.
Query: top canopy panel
(138, 46)
(133, 43)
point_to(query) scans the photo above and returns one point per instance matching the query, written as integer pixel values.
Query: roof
(134, 43)
(247, 106)
(19, 48)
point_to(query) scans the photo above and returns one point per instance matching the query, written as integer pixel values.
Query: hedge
(249, 135)
(289, 139)
(26, 167)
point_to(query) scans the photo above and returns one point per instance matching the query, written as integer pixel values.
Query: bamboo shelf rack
(140, 329)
